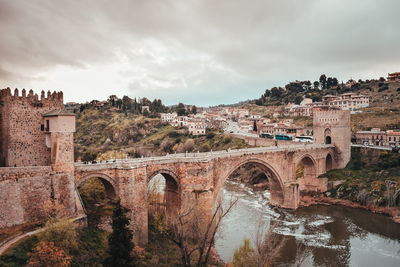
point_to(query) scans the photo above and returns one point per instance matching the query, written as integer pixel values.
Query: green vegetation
(120, 242)
(92, 244)
(369, 179)
(244, 256)
(108, 133)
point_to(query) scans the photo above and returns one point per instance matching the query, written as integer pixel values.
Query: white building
(168, 117)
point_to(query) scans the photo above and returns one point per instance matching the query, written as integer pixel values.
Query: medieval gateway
(37, 165)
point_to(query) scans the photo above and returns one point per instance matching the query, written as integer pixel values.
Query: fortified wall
(36, 156)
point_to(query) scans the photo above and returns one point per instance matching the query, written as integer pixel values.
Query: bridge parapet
(196, 157)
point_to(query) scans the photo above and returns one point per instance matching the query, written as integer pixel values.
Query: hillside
(107, 132)
(382, 94)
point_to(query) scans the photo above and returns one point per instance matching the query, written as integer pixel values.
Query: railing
(204, 156)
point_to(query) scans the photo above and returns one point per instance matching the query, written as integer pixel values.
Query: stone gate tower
(36, 156)
(333, 127)
(24, 139)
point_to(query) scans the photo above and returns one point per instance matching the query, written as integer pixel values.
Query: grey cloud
(202, 52)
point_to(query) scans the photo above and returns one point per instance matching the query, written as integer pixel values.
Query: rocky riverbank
(393, 212)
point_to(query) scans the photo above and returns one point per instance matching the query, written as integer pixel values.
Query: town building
(393, 77)
(376, 137)
(196, 124)
(168, 117)
(348, 101)
(305, 108)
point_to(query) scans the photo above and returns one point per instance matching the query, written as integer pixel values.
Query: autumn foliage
(48, 255)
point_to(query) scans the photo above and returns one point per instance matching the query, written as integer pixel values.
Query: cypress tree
(120, 240)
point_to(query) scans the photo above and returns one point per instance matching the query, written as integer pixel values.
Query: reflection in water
(311, 236)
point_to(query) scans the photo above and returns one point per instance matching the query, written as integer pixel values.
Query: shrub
(189, 145)
(167, 145)
(227, 139)
(205, 148)
(211, 135)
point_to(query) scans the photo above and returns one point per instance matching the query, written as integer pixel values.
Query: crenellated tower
(26, 133)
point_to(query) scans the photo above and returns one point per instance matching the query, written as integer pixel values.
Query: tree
(120, 240)
(189, 145)
(322, 81)
(316, 85)
(112, 100)
(48, 255)
(192, 233)
(180, 109)
(255, 126)
(62, 233)
(244, 255)
(194, 109)
(126, 103)
(298, 99)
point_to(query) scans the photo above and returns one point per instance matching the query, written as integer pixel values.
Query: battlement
(32, 98)
(323, 112)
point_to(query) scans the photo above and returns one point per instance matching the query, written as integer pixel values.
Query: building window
(47, 125)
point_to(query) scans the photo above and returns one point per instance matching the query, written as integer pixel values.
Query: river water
(310, 236)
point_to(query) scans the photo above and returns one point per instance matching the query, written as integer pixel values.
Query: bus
(283, 137)
(266, 135)
(304, 139)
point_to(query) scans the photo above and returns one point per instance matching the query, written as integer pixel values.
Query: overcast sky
(196, 52)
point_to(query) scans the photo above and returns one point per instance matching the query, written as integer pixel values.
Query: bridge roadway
(197, 156)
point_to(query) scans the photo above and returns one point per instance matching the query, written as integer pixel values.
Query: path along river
(310, 236)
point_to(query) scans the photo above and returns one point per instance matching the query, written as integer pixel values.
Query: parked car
(266, 135)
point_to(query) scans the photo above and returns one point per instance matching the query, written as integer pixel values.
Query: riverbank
(392, 212)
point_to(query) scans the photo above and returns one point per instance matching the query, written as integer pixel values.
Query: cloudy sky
(197, 52)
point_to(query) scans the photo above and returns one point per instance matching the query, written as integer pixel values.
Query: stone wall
(23, 143)
(24, 192)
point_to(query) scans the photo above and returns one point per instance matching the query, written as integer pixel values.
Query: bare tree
(194, 234)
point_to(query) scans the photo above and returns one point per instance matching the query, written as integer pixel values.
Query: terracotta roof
(58, 112)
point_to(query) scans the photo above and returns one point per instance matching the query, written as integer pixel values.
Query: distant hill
(380, 92)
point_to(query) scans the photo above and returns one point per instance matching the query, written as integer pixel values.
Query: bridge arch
(109, 183)
(163, 194)
(306, 167)
(277, 191)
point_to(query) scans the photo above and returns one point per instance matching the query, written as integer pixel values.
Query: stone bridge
(200, 176)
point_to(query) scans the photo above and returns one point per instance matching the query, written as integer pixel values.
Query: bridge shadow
(97, 196)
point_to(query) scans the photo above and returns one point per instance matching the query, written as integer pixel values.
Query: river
(309, 236)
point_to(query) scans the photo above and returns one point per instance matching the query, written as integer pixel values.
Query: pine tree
(120, 241)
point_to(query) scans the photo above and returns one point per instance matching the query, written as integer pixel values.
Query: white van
(304, 139)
